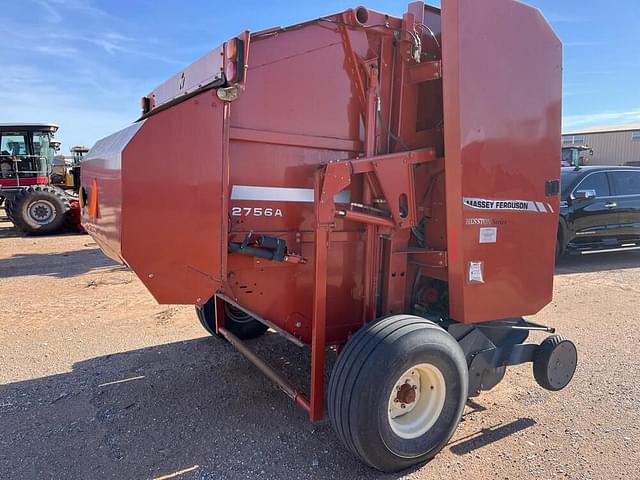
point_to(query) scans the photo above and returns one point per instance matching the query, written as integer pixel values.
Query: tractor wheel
(39, 210)
(397, 392)
(241, 324)
(7, 209)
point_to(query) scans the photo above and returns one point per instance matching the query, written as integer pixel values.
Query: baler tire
(241, 324)
(365, 379)
(207, 316)
(555, 362)
(52, 198)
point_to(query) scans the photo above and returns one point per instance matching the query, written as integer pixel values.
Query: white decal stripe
(281, 194)
(513, 205)
(550, 208)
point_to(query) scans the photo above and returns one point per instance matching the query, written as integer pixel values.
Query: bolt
(403, 405)
(414, 387)
(431, 387)
(298, 324)
(151, 275)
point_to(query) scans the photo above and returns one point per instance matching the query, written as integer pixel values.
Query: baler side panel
(299, 111)
(174, 179)
(502, 70)
(299, 83)
(102, 167)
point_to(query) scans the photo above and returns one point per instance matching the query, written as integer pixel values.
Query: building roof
(605, 129)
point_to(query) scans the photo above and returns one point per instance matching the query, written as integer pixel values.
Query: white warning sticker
(488, 235)
(475, 272)
(517, 205)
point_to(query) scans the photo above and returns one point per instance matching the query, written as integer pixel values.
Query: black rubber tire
(559, 244)
(7, 209)
(18, 209)
(241, 324)
(364, 375)
(555, 362)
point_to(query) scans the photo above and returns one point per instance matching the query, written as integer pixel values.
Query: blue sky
(84, 64)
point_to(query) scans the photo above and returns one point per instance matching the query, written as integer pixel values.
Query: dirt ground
(98, 381)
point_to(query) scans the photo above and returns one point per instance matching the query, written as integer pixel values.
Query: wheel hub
(416, 401)
(407, 392)
(42, 212)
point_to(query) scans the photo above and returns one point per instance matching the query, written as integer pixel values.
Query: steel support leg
(319, 314)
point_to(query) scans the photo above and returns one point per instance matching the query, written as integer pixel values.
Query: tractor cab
(26, 154)
(78, 152)
(65, 172)
(576, 155)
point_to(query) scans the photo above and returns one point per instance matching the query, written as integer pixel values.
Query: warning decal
(517, 205)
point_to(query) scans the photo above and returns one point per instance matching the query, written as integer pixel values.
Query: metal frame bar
(265, 368)
(296, 341)
(319, 315)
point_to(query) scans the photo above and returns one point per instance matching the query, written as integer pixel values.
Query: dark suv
(599, 209)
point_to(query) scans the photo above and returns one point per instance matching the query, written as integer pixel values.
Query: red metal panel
(102, 167)
(502, 70)
(173, 182)
(204, 71)
(23, 181)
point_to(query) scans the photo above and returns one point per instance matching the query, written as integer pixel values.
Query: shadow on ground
(181, 405)
(598, 262)
(60, 265)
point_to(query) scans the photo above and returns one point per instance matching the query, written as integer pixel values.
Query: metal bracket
(394, 174)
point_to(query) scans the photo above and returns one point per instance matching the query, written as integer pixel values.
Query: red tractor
(32, 201)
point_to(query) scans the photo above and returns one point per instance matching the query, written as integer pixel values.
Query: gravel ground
(98, 381)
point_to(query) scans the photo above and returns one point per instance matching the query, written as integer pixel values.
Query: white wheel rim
(41, 212)
(416, 401)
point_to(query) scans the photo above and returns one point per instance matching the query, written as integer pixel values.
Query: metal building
(617, 145)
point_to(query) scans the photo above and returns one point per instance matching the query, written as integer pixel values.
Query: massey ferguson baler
(385, 187)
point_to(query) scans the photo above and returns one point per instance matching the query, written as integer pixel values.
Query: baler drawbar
(382, 187)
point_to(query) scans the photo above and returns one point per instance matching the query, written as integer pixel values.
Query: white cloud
(582, 44)
(602, 118)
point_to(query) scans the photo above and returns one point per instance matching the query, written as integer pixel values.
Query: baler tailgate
(502, 99)
(173, 179)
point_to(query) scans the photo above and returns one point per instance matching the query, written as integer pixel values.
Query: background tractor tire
(39, 210)
(397, 392)
(241, 324)
(7, 209)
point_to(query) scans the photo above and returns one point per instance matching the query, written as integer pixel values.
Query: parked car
(599, 210)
